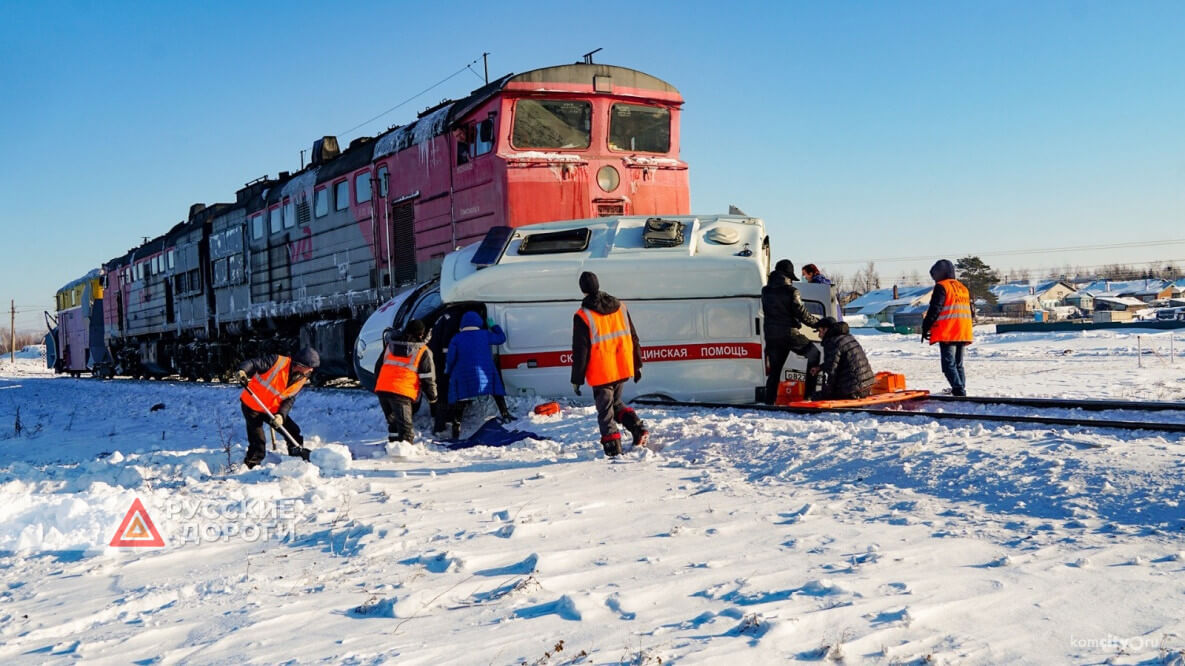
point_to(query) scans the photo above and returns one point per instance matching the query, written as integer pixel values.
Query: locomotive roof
(709, 263)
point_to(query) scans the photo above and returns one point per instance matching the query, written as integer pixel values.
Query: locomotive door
(279, 272)
(403, 233)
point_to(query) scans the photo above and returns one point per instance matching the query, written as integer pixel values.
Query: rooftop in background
(877, 300)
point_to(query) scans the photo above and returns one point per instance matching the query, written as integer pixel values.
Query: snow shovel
(291, 440)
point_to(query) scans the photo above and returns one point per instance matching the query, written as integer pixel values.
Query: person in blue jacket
(470, 368)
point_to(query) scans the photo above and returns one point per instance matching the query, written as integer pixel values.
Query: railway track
(908, 410)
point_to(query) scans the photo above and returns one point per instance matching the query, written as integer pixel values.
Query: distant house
(879, 306)
(1118, 304)
(1025, 298)
(1081, 300)
(1145, 290)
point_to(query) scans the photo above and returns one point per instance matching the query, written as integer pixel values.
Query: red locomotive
(304, 258)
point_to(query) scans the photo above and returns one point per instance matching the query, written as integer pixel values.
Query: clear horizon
(900, 133)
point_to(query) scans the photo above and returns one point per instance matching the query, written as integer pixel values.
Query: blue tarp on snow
(492, 433)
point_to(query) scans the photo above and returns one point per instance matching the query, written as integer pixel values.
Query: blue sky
(858, 130)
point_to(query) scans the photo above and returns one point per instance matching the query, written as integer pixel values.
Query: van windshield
(552, 123)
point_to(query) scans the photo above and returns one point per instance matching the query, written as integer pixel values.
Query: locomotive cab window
(277, 224)
(289, 214)
(321, 202)
(552, 123)
(383, 177)
(257, 226)
(341, 195)
(362, 187)
(643, 129)
(484, 141)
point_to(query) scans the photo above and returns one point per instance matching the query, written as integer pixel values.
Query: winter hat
(415, 329)
(785, 267)
(589, 284)
(942, 269)
(827, 322)
(307, 357)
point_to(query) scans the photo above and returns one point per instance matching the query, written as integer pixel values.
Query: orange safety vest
(611, 356)
(398, 374)
(271, 387)
(954, 319)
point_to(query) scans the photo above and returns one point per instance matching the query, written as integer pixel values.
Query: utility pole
(12, 332)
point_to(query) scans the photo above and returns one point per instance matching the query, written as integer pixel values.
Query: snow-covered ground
(751, 538)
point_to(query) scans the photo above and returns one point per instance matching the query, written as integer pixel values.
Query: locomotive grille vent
(405, 242)
(302, 212)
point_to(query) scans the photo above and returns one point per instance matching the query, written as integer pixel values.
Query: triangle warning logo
(137, 530)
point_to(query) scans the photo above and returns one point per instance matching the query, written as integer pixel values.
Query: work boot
(507, 417)
(642, 438)
(252, 463)
(611, 445)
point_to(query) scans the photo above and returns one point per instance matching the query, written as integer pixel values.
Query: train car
(696, 304)
(75, 343)
(306, 257)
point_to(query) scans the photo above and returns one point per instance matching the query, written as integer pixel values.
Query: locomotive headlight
(608, 178)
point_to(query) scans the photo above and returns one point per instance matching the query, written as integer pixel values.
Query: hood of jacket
(471, 320)
(942, 269)
(601, 303)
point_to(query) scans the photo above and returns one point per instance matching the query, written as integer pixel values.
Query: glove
(278, 421)
(576, 388)
(243, 379)
(490, 322)
(925, 335)
(637, 375)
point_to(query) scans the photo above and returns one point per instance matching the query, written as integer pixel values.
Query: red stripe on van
(696, 352)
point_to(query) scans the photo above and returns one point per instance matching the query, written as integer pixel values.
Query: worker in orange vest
(402, 371)
(606, 353)
(270, 384)
(948, 323)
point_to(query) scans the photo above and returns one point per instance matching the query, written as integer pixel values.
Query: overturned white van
(694, 296)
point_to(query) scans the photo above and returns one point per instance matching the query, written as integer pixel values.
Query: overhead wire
(468, 66)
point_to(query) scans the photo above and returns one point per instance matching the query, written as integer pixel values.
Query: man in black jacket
(784, 314)
(272, 381)
(606, 365)
(848, 374)
(446, 326)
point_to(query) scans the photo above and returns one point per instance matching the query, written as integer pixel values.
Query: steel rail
(1066, 403)
(939, 416)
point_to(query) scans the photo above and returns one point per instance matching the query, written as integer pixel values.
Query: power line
(1002, 253)
(409, 99)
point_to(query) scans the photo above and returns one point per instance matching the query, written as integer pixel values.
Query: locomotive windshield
(645, 129)
(552, 123)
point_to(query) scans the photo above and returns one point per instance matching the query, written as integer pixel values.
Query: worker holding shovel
(270, 384)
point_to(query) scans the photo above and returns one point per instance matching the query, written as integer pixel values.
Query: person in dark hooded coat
(442, 334)
(845, 366)
(948, 323)
(606, 353)
(470, 367)
(403, 372)
(784, 314)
